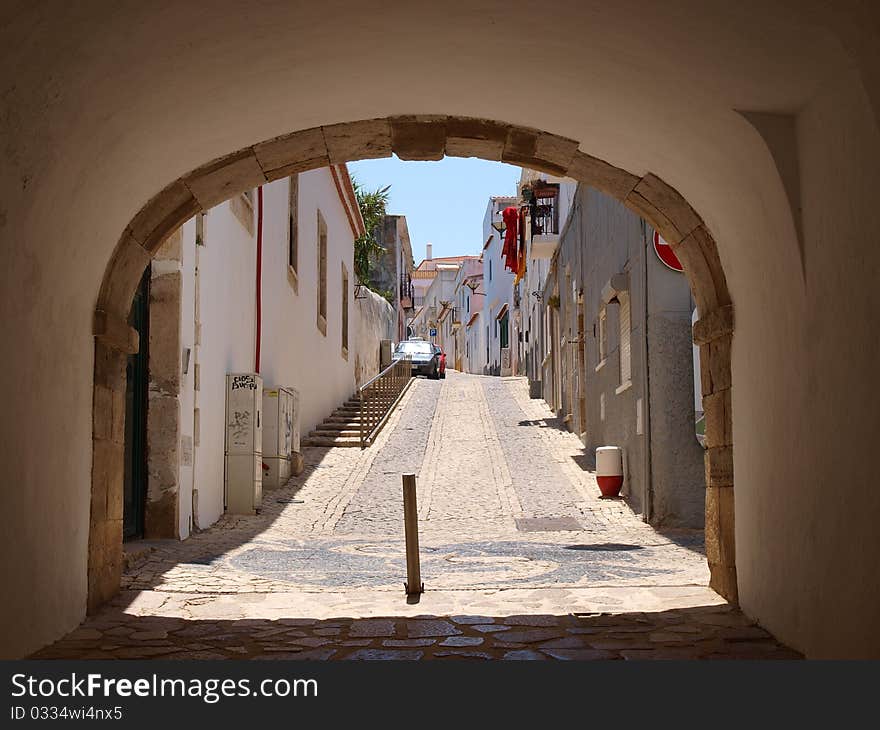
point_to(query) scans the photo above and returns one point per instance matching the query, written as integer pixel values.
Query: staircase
(342, 428)
(378, 396)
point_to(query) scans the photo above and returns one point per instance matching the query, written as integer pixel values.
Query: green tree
(366, 247)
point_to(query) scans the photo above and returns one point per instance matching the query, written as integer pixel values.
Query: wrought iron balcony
(407, 294)
(544, 214)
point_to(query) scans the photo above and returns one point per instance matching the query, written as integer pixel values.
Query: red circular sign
(666, 254)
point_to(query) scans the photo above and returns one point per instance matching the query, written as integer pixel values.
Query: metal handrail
(378, 397)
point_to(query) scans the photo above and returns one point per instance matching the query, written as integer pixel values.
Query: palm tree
(366, 247)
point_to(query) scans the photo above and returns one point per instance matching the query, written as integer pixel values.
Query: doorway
(136, 394)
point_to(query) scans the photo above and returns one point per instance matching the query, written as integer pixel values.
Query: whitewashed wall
(497, 281)
(375, 320)
(226, 305)
(293, 350)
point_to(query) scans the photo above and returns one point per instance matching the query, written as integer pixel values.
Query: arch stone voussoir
(698, 271)
(162, 214)
(601, 175)
(292, 153)
(126, 268)
(419, 137)
(714, 324)
(471, 137)
(220, 180)
(670, 203)
(538, 150)
(367, 139)
(703, 240)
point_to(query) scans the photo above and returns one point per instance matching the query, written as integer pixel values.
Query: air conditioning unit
(281, 437)
(244, 443)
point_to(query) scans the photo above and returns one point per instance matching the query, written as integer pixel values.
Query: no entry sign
(665, 253)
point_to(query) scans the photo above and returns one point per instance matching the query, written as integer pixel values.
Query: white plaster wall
(498, 283)
(375, 320)
(476, 359)
(807, 417)
(88, 136)
(227, 274)
(294, 351)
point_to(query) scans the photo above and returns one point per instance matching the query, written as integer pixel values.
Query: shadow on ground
(703, 632)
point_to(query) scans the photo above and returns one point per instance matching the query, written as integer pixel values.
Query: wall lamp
(538, 295)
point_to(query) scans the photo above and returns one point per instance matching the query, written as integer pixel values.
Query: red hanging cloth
(511, 237)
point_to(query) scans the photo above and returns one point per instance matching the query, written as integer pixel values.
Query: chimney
(428, 252)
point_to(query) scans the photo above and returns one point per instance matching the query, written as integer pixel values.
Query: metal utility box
(384, 354)
(244, 443)
(279, 411)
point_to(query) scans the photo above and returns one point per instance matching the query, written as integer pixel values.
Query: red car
(441, 356)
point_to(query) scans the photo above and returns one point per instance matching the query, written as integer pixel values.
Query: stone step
(326, 441)
(339, 426)
(335, 433)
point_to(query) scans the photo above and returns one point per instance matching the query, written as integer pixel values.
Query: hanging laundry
(521, 253)
(511, 237)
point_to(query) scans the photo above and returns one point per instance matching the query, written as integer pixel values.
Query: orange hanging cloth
(511, 238)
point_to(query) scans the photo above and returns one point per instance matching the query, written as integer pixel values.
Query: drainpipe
(649, 492)
(259, 287)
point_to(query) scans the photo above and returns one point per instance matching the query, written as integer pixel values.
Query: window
(490, 269)
(344, 312)
(322, 274)
(505, 330)
(293, 232)
(603, 335)
(469, 305)
(625, 339)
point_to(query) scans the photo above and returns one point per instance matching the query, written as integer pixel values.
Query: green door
(137, 381)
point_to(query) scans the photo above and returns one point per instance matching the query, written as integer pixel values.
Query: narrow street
(520, 557)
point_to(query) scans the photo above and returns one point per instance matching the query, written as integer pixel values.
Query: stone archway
(422, 137)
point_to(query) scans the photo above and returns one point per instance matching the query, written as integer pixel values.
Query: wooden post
(413, 583)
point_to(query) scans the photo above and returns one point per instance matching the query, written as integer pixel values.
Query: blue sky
(444, 202)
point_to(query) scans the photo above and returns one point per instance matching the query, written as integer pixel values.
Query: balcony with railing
(543, 202)
(407, 294)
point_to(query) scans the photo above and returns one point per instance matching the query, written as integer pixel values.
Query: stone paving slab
(431, 630)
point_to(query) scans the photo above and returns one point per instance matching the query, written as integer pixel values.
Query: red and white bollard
(609, 470)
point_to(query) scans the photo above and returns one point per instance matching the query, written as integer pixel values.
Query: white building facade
(262, 283)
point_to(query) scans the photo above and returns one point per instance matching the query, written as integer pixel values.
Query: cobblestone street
(520, 557)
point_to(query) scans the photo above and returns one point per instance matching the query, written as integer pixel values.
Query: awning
(502, 311)
(473, 318)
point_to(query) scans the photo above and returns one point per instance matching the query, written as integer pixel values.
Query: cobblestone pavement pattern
(521, 559)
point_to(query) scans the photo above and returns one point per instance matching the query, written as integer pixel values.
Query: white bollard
(609, 470)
